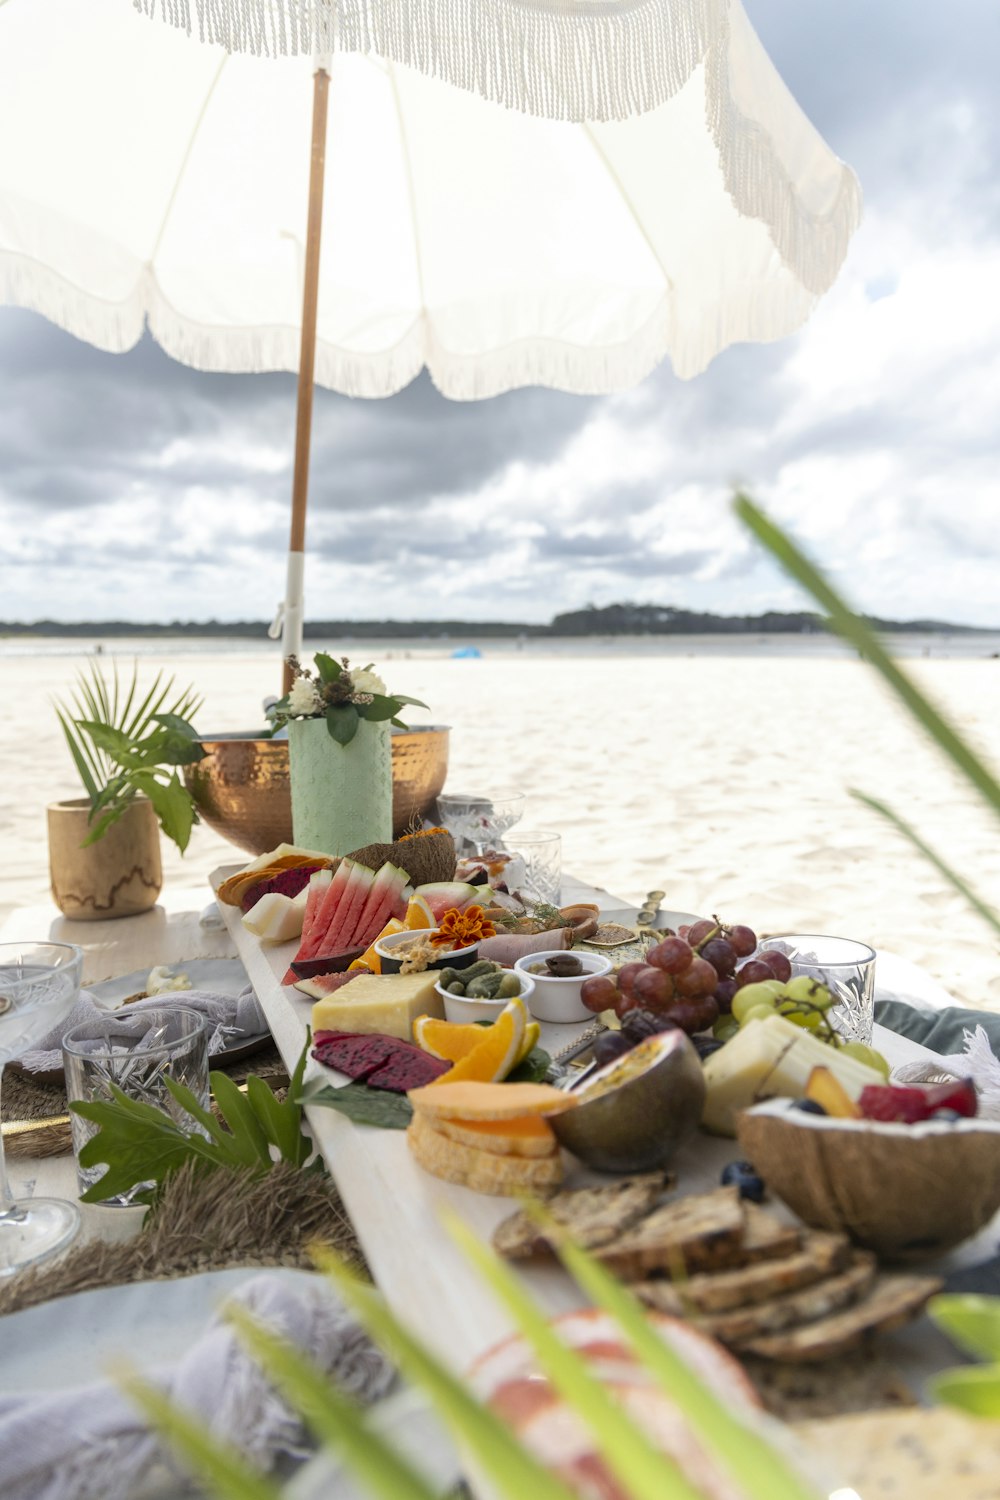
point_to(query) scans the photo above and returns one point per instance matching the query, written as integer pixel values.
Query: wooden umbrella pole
(292, 635)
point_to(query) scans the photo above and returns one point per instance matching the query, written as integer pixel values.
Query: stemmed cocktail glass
(480, 819)
(39, 985)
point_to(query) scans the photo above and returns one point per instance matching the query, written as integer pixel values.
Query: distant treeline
(612, 619)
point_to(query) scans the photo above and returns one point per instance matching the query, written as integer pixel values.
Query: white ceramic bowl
(558, 999)
(454, 958)
(467, 1012)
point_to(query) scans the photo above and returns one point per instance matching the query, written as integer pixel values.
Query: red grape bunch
(687, 980)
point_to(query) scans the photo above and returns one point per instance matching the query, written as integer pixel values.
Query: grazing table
(394, 1205)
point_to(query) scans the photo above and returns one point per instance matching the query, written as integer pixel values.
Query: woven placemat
(26, 1100)
(205, 1220)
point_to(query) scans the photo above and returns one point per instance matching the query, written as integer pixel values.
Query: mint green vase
(341, 794)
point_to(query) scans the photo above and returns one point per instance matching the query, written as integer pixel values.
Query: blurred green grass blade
(645, 1472)
(975, 1390)
(516, 1474)
(971, 1321)
(219, 1467)
(952, 876)
(860, 635)
(758, 1469)
(335, 1420)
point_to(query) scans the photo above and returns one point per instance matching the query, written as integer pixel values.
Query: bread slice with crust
(821, 1255)
(702, 1232)
(805, 1305)
(891, 1302)
(591, 1216)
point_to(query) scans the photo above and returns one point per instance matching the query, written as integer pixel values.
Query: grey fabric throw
(230, 1017)
(939, 1030)
(92, 1443)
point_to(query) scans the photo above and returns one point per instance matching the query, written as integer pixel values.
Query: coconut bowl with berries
(908, 1172)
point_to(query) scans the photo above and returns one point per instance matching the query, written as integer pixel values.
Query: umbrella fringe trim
(759, 313)
(575, 60)
(812, 245)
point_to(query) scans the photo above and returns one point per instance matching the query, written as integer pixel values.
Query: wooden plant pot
(119, 876)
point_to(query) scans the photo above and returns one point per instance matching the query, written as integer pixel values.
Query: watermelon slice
(359, 883)
(319, 884)
(448, 895)
(330, 906)
(378, 907)
(401, 902)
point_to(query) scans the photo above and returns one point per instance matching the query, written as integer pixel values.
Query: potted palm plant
(127, 745)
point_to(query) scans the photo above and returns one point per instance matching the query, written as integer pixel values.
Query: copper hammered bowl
(242, 790)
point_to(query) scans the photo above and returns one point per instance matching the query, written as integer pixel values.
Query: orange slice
(498, 1049)
(418, 915)
(448, 1040)
(531, 1034)
(488, 1101)
(370, 960)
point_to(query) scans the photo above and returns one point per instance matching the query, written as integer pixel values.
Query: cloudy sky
(872, 433)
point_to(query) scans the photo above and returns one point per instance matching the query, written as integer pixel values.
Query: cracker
(482, 1171)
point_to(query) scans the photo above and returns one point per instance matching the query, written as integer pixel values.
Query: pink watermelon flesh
(359, 884)
(378, 908)
(449, 895)
(328, 910)
(400, 904)
(318, 887)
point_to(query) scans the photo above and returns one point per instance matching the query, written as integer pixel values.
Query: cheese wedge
(379, 1004)
(768, 1060)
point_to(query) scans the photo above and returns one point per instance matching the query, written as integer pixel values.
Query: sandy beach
(721, 779)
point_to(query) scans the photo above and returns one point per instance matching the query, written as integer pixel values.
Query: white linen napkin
(91, 1443)
(231, 1017)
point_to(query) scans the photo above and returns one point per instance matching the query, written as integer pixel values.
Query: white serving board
(397, 1208)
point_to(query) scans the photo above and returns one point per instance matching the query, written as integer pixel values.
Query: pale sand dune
(722, 781)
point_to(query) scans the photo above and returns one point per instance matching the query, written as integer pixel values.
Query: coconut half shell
(905, 1191)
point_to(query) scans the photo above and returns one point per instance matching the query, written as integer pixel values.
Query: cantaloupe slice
(530, 1136)
(489, 1101)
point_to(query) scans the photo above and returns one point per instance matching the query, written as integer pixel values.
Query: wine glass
(39, 985)
(481, 819)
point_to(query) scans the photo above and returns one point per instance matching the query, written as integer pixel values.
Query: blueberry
(946, 1114)
(706, 1045)
(742, 1175)
(809, 1107)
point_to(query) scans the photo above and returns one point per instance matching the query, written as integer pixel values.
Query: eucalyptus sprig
(341, 694)
(140, 1142)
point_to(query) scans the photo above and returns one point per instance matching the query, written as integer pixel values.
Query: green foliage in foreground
(143, 1143)
(125, 747)
(759, 1471)
(973, 1323)
(860, 635)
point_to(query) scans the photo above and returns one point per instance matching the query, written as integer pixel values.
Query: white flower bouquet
(341, 694)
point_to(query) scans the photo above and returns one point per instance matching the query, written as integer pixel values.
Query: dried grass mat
(205, 1221)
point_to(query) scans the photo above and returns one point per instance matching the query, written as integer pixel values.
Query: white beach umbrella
(679, 202)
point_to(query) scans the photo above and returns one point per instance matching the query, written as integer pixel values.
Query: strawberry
(906, 1106)
(959, 1096)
